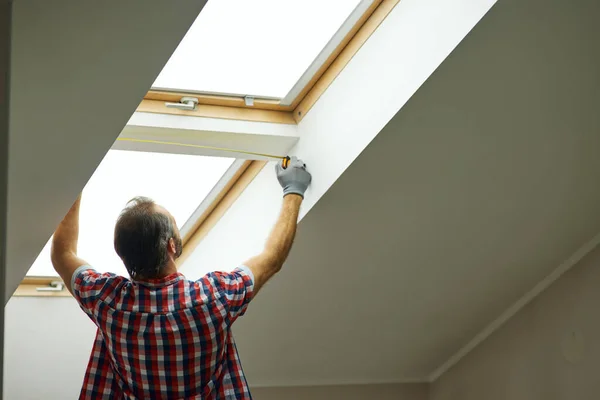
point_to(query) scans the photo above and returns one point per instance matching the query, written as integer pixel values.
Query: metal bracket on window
(249, 100)
(55, 286)
(186, 103)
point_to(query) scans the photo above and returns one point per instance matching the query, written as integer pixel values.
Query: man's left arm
(64, 245)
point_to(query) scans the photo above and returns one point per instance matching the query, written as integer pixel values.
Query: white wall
(46, 357)
(407, 47)
(5, 17)
(548, 351)
(47, 344)
(389, 68)
(399, 391)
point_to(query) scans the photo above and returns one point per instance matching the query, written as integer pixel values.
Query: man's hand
(295, 178)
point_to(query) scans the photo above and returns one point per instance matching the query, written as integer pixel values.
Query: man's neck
(170, 268)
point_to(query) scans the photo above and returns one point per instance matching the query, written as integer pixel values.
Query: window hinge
(186, 103)
(249, 100)
(55, 286)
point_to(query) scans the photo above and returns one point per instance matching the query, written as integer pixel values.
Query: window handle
(55, 286)
(186, 103)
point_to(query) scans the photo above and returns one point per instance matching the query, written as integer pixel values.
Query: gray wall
(47, 344)
(549, 350)
(5, 17)
(41, 348)
(79, 70)
(406, 391)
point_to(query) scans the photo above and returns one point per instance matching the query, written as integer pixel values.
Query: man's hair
(142, 236)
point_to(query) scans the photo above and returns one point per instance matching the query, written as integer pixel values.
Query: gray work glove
(295, 178)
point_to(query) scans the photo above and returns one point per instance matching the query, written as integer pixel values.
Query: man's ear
(171, 246)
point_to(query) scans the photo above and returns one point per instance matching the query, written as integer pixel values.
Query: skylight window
(177, 182)
(257, 48)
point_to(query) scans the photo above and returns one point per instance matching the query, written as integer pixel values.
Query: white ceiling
(478, 188)
(79, 69)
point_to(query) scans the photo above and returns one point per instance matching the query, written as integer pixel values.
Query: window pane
(177, 182)
(259, 47)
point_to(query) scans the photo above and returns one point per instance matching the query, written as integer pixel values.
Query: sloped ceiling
(477, 189)
(79, 69)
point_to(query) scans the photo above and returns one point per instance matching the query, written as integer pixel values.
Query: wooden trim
(40, 280)
(227, 198)
(28, 286)
(217, 100)
(352, 47)
(210, 111)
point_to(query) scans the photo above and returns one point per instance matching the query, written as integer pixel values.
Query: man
(159, 335)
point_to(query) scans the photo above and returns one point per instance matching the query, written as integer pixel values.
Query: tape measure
(285, 161)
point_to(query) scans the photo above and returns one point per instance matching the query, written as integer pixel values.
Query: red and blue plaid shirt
(168, 338)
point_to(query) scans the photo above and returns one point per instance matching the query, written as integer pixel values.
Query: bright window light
(177, 182)
(259, 47)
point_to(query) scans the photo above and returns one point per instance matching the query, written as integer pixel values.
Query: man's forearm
(281, 238)
(294, 179)
(278, 244)
(67, 234)
(64, 245)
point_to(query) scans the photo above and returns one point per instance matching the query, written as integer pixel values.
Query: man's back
(170, 337)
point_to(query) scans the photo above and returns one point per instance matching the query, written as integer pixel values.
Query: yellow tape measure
(285, 160)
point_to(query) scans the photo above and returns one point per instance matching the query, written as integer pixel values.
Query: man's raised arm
(64, 245)
(294, 180)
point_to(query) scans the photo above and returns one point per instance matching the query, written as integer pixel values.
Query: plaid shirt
(168, 338)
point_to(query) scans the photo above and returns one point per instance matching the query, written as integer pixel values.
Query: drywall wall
(400, 391)
(407, 47)
(548, 351)
(339, 127)
(46, 348)
(482, 184)
(535, 87)
(46, 358)
(389, 67)
(5, 16)
(79, 69)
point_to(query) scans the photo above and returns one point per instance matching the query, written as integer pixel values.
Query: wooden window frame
(30, 284)
(200, 228)
(232, 107)
(266, 110)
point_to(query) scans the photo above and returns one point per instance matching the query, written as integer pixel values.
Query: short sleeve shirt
(167, 338)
